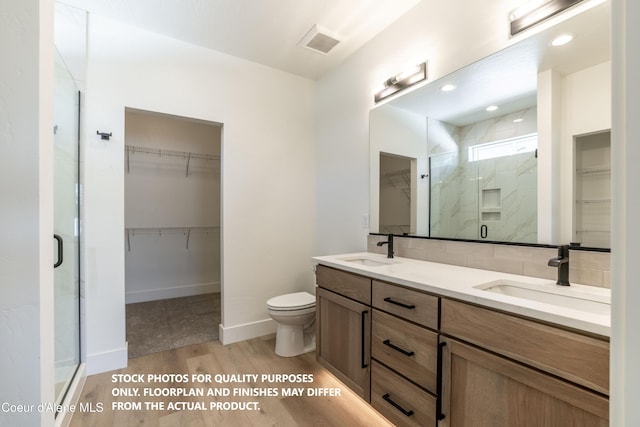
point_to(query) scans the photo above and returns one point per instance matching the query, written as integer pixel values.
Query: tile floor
(160, 325)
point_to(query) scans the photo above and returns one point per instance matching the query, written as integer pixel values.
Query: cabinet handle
(396, 348)
(60, 250)
(439, 412)
(390, 301)
(364, 363)
(395, 405)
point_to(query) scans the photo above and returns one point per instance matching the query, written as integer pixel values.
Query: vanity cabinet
(484, 389)
(521, 373)
(425, 360)
(579, 358)
(343, 339)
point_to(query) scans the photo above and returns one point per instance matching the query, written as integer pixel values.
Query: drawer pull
(396, 348)
(363, 358)
(407, 306)
(395, 405)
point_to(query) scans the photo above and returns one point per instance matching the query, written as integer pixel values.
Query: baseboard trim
(98, 363)
(246, 331)
(174, 292)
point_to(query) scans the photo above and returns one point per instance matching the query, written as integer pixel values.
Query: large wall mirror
(513, 148)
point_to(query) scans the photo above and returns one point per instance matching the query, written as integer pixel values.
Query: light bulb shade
(402, 81)
(526, 16)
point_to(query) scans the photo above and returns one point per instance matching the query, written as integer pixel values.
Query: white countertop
(458, 282)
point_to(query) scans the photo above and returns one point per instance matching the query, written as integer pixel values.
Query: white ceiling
(262, 31)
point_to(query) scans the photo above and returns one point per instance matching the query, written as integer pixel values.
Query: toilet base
(291, 340)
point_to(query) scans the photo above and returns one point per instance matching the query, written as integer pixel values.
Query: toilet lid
(296, 300)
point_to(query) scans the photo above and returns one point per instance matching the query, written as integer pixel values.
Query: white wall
(26, 215)
(268, 173)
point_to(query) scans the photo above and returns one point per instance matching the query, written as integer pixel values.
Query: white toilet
(295, 315)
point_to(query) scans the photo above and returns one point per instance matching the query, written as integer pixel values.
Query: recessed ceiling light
(562, 39)
(448, 88)
(492, 108)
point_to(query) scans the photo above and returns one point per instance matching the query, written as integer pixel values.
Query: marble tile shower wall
(458, 186)
(585, 267)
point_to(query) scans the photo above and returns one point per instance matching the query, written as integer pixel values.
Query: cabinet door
(482, 389)
(344, 339)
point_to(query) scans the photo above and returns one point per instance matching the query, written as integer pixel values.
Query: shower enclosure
(66, 238)
(491, 199)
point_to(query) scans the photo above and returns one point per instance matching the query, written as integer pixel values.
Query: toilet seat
(292, 302)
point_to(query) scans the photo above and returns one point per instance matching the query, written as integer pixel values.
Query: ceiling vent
(319, 40)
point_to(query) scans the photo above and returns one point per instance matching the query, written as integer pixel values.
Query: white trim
(107, 360)
(174, 292)
(246, 331)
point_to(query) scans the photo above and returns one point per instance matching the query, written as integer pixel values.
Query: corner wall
(26, 216)
(625, 292)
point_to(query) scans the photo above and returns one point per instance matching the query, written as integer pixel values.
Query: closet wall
(172, 206)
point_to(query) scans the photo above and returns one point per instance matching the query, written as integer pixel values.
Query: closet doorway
(172, 231)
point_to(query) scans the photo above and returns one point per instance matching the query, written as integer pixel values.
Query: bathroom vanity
(436, 344)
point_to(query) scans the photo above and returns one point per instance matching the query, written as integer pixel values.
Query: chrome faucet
(390, 247)
(561, 262)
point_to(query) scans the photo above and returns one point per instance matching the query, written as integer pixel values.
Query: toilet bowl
(295, 315)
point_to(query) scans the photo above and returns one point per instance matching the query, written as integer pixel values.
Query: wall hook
(104, 135)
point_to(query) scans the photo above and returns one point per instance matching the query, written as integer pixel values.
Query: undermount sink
(369, 262)
(567, 297)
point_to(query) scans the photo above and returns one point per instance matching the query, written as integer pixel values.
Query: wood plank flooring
(254, 356)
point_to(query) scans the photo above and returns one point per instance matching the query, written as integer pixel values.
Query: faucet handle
(563, 251)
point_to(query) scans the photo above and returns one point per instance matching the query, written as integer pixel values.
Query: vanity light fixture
(535, 11)
(448, 88)
(402, 81)
(492, 108)
(562, 39)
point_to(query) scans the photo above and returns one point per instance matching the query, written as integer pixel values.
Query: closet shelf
(594, 201)
(594, 169)
(403, 175)
(159, 231)
(187, 155)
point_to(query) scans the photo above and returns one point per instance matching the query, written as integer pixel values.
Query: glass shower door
(66, 237)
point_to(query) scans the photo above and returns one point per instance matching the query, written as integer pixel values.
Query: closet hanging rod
(187, 231)
(162, 152)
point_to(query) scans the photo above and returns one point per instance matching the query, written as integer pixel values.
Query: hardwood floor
(254, 356)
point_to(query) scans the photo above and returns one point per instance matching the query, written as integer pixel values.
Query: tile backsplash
(585, 267)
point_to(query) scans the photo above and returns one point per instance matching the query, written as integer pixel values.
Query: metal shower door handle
(60, 250)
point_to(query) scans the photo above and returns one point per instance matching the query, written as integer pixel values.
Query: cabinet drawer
(407, 303)
(407, 348)
(347, 284)
(398, 400)
(581, 359)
